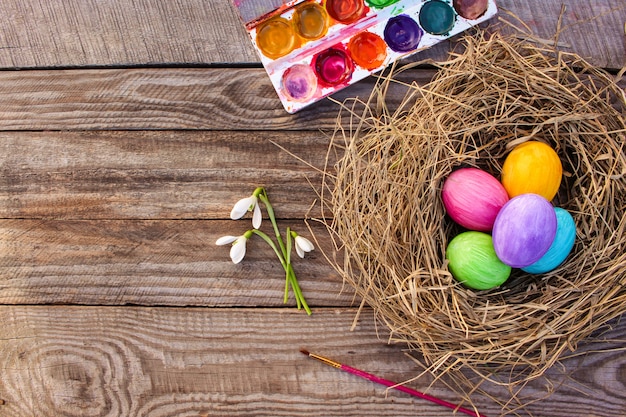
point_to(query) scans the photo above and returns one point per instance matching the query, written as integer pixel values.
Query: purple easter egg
(473, 197)
(524, 230)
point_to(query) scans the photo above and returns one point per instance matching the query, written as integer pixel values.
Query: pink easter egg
(473, 197)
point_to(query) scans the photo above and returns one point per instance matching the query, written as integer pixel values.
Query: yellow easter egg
(532, 167)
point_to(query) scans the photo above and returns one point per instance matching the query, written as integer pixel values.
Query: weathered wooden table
(128, 129)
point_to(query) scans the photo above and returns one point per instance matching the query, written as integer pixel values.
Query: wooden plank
(171, 263)
(590, 28)
(166, 98)
(53, 33)
(246, 362)
(72, 33)
(156, 174)
(228, 99)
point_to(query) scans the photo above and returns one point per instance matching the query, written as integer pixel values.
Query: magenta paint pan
(314, 48)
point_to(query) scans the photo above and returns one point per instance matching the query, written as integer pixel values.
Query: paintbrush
(390, 384)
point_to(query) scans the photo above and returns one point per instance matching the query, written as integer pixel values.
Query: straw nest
(390, 223)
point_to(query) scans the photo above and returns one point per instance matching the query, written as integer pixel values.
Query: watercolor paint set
(314, 48)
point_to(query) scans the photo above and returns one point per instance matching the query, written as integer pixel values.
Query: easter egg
(524, 230)
(532, 167)
(473, 261)
(473, 198)
(561, 246)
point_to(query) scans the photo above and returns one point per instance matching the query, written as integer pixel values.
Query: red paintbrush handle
(411, 391)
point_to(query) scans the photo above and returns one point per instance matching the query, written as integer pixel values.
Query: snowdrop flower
(238, 249)
(225, 240)
(283, 252)
(248, 204)
(302, 244)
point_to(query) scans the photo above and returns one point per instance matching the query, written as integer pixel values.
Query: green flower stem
(297, 291)
(270, 212)
(269, 241)
(290, 278)
(284, 254)
(287, 282)
(289, 245)
(262, 194)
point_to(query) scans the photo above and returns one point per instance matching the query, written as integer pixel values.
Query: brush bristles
(320, 358)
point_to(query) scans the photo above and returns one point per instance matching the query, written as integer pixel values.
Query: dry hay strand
(390, 223)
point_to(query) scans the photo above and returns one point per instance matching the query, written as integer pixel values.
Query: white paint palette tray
(314, 48)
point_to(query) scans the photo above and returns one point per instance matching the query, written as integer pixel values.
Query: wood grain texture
(127, 131)
(241, 99)
(71, 33)
(155, 263)
(164, 98)
(94, 361)
(157, 174)
(78, 33)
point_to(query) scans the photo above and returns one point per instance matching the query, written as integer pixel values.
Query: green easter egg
(473, 261)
